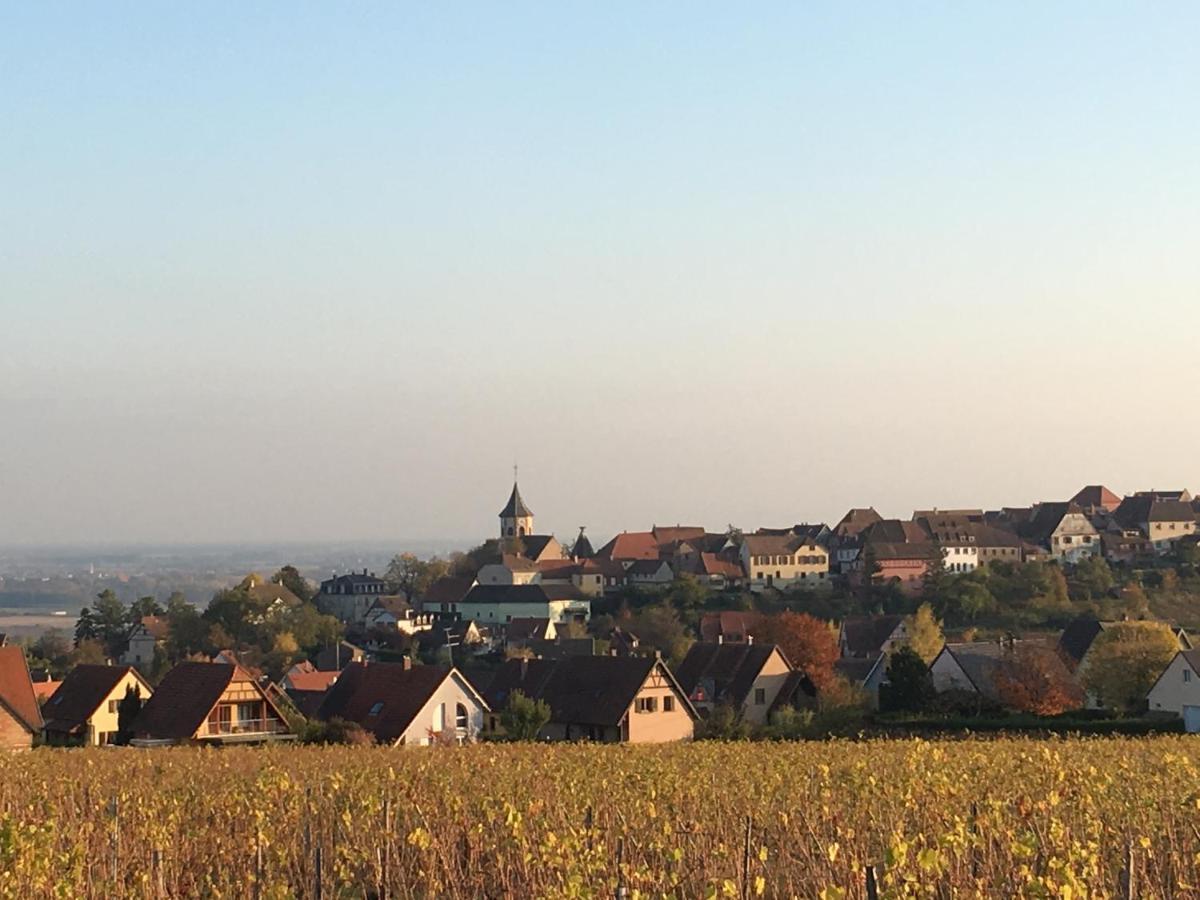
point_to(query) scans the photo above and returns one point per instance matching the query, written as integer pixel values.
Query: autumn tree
(290, 577)
(1124, 662)
(1032, 679)
(524, 717)
(810, 645)
(658, 626)
(924, 633)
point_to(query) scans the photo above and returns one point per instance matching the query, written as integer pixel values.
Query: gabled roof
(857, 671)
(315, 680)
(856, 520)
(885, 550)
(396, 691)
(520, 593)
(713, 565)
(730, 668)
(83, 691)
(727, 623)
(583, 547)
(523, 628)
(515, 508)
(534, 545)
(669, 534)
(1096, 496)
(983, 661)
(155, 626)
(866, 635)
(1147, 508)
(648, 567)
(447, 589)
(1077, 638)
(1047, 518)
(894, 531)
(1191, 657)
(580, 690)
(185, 697)
(16, 688)
(630, 545)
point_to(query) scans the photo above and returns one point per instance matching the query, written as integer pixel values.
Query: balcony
(245, 730)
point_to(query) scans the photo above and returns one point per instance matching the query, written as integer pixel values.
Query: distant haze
(275, 274)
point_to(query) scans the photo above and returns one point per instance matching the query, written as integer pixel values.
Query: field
(996, 818)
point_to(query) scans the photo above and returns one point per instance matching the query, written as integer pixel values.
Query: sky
(301, 272)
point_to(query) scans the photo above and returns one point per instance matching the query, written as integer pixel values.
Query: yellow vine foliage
(970, 818)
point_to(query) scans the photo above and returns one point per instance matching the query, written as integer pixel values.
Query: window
(1187, 675)
(376, 708)
(460, 717)
(668, 704)
(646, 704)
(760, 696)
(112, 706)
(439, 717)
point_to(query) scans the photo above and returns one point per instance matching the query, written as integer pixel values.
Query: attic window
(376, 708)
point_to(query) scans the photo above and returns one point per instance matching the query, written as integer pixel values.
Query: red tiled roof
(185, 697)
(44, 690)
(711, 564)
(82, 692)
(315, 680)
(16, 688)
(630, 545)
(399, 692)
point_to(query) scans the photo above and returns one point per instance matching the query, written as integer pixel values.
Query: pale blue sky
(283, 271)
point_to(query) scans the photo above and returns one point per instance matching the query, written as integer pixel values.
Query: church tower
(516, 519)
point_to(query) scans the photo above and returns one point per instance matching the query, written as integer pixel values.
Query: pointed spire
(583, 547)
(516, 508)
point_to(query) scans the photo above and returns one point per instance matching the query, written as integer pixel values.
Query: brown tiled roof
(16, 688)
(727, 623)
(44, 690)
(581, 690)
(447, 589)
(894, 531)
(883, 551)
(1077, 639)
(711, 564)
(315, 680)
(1142, 508)
(157, 627)
(185, 697)
(534, 545)
(855, 521)
(401, 690)
(630, 545)
(1096, 496)
(725, 672)
(672, 533)
(82, 692)
(523, 629)
(865, 635)
(1047, 518)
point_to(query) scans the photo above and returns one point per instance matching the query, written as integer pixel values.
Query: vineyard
(995, 818)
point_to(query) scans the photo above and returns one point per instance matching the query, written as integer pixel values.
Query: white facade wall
(440, 713)
(1177, 687)
(499, 613)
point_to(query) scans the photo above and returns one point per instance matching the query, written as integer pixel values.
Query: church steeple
(516, 519)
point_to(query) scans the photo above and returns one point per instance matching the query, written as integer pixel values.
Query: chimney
(407, 663)
(720, 638)
(749, 639)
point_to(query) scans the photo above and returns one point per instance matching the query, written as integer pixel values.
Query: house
(444, 594)
(1126, 545)
(994, 544)
(1096, 499)
(1063, 529)
(209, 703)
(521, 631)
(501, 603)
(623, 643)
(865, 673)
(718, 572)
(390, 613)
(150, 633)
(538, 548)
(746, 676)
(305, 686)
(651, 573)
(452, 631)
(348, 597)
(977, 667)
(845, 544)
(1162, 521)
(955, 531)
(406, 705)
(784, 560)
(86, 707)
(866, 637)
(598, 698)
(903, 564)
(44, 689)
(631, 545)
(728, 626)
(1177, 689)
(511, 569)
(20, 717)
(337, 657)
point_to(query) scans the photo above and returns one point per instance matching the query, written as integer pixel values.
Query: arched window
(522, 529)
(510, 531)
(460, 717)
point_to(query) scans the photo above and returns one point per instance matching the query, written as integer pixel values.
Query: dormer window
(376, 708)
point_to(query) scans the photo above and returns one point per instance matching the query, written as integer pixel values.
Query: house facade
(747, 676)
(20, 717)
(144, 639)
(209, 703)
(500, 604)
(1177, 689)
(784, 561)
(348, 597)
(405, 705)
(85, 709)
(598, 698)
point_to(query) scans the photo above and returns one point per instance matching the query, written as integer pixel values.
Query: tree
(187, 631)
(809, 644)
(724, 723)
(1091, 580)
(142, 607)
(909, 686)
(935, 570)
(336, 731)
(105, 621)
(924, 633)
(686, 594)
(659, 627)
(524, 717)
(127, 710)
(289, 576)
(51, 650)
(89, 652)
(1124, 662)
(1032, 679)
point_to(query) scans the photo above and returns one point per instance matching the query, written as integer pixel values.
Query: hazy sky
(282, 272)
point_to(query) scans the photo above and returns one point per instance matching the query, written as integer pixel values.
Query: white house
(491, 604)
(1178, 689)
(403, 705)
(145, 636)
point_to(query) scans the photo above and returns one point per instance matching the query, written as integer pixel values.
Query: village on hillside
(1061, 616)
